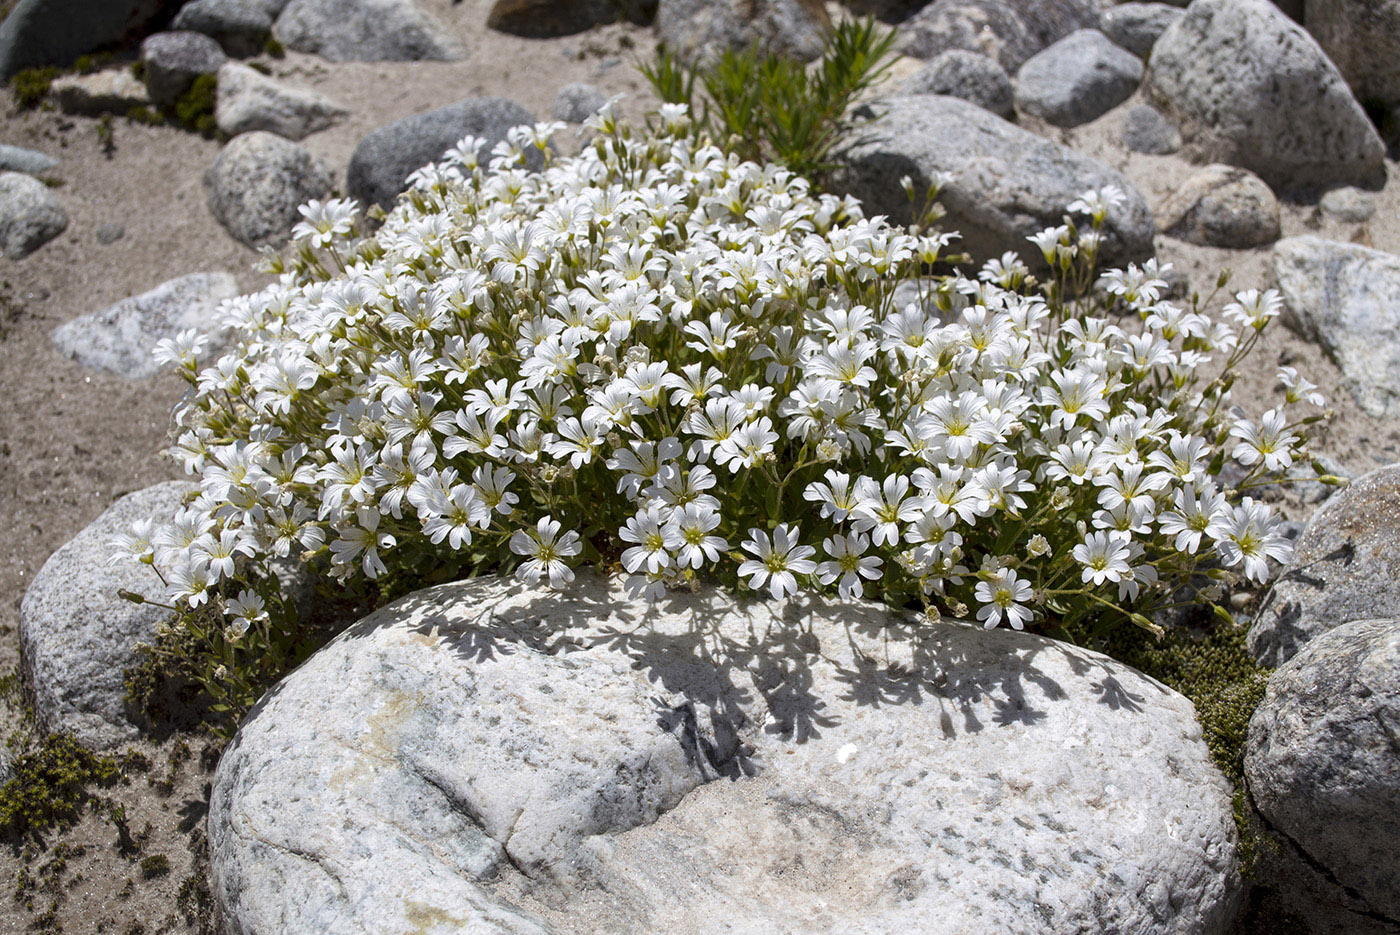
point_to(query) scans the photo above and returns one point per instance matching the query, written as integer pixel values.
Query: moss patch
(53, 780)
(195, 108)
(31, 85)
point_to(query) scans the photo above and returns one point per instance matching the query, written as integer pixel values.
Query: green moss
(31, 85)
(195, 108)
(53, 780)
(146, 115)
(156, 865)
(275, 48)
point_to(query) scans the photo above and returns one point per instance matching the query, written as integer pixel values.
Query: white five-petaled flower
(777, 562)
(545, 553)
(1003, 595)
(848, 563)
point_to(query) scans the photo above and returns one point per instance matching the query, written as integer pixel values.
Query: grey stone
(967, 75)
(1076, 80)
(257, 184)
(489, 758)
(28, 161)
(242, 27)
(30, 215)
(385, 158)
(576, 102)
(105, 92)
(366, 31)
(1362, 38)
(1344, 568)
(701, 30)
(55, 32)
(121, 339)
(1346, 298)
(77, 636)
(1138, 26)
(248, 100)
(174, 59)
(1007, 31)
(110, 233)
(1145, 130)
(1323, 766)
(7, 766)
(890, 11)
(542, 19)
(1221, 206)
(1348, 204)
(1007, 183)
(1250, 88)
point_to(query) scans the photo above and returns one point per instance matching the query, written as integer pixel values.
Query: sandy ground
(72, 441)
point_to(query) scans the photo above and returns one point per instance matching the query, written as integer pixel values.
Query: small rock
(242, 27)
(174, 59)
(30, 215)
(77, 636)
(701, 30)
(1076, 80)
(257, 184)
(509, 760)
(104, 92)
(1145, 130)
(1323, 766)
(1344, 568)
(1007, 31)
(1362, 38)
(366, 31)
(970, 76)
(55, 32)
(121, 339)
(1346, 297)
(1007, 183)
(1250, 88)
(543, 19)
(7, 766)
(28, 161)
(576, 102)
(110, 233)
(1137, 26)
(1347, 204)
(384, 159)
(247, 100)
(1221, 206)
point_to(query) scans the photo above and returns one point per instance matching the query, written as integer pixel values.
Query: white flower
(1247, 535)
(849, 563)
(777, 563)
(1104, 556)
(1003, 595)
(1269, 442)
(655, 541)
(693, 524)
(545, 554)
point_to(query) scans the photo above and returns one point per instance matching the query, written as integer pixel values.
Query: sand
(72, 440)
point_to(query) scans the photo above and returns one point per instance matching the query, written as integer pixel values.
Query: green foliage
(53, 780)
(195, 108)
(149, 116)
(771, 108)
(274, 48)
(198, 673)
(31, 85)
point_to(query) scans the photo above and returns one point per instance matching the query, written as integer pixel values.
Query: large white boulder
(490, 758)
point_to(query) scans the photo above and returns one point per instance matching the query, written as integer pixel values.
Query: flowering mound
(660, 359)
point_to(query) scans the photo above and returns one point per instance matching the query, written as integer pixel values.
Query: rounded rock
(366, 31)
(1137, 26)
(1344, 568)
(174, 59)
(576, 102)
(1145, 130)
(257, 184)
(1076, 80)
(1006, 31)
(1250, 88)
(1323, 767)
(384, 159)
(1221, 206)
(700, 31)
(494, 758)
(242, 27)
(78, 636)
(967, 75)
(1349, 205)
(247, 100)
(30, 215)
